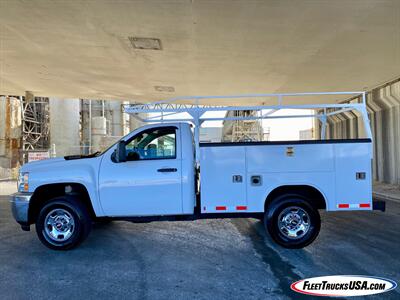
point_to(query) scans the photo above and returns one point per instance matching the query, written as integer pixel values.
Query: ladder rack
(196, 110)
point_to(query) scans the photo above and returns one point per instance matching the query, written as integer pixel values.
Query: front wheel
(63, 223)
(292, 222)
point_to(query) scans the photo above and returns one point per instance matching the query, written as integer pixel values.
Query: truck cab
(156, 173)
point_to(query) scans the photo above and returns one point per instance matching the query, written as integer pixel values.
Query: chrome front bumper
(20, 206)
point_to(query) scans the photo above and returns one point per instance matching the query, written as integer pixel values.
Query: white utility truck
(161, 172)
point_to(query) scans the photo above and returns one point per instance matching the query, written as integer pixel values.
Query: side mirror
(120, 153)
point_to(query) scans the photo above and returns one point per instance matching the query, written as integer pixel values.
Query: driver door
(149, 182)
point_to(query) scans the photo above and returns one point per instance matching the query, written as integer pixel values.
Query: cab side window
(159, 143)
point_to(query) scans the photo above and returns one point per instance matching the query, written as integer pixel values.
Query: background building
(52, 62)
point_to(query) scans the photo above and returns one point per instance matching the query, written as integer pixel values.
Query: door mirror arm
(120, 152)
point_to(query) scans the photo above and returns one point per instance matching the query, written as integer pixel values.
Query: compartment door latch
(237, 178)
(360, 176)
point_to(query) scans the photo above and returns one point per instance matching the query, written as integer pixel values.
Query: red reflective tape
(220, 208)
(344, 205)
(365, 205)
(241, 207)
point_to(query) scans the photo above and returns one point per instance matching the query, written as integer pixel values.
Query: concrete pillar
(317, 128)
(387, 99)
(99, 131)
(10, 136)
(64, 125)
(116, 118)
(383, 105)
(125, 121)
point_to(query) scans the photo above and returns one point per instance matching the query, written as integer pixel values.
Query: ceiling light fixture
(162, 88)
(145, 43)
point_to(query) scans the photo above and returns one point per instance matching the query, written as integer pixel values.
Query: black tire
(294, 205)
(80, 229)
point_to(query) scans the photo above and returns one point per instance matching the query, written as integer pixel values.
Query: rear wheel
(63, 223)
(292, 222)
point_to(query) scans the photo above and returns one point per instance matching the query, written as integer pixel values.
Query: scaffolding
(243, 130)
(35, 124)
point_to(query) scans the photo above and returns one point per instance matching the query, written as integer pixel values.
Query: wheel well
(307, 192)
(45, 193)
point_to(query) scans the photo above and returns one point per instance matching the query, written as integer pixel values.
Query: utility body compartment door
(223, 179)
(353, 176)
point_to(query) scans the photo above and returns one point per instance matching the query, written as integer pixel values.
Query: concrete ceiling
(81, 48)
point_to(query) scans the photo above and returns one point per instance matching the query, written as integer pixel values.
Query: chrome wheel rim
(294, 222)
(59, 225)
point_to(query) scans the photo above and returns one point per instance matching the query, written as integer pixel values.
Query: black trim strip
(338, 141)
(191, 217)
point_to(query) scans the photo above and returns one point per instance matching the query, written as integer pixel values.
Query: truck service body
(162, 172)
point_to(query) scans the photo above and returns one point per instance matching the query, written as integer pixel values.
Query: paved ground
(203, 259)
(384, 191)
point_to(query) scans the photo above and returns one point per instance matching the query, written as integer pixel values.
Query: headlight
(23, 182)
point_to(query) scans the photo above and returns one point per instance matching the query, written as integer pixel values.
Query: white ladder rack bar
(197, 110)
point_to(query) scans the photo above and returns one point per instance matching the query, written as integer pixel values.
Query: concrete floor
(384, 191)
(202, 259)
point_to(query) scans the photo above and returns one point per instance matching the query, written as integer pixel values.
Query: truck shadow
(282, 269)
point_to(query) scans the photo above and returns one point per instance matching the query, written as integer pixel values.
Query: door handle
(166, 170)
